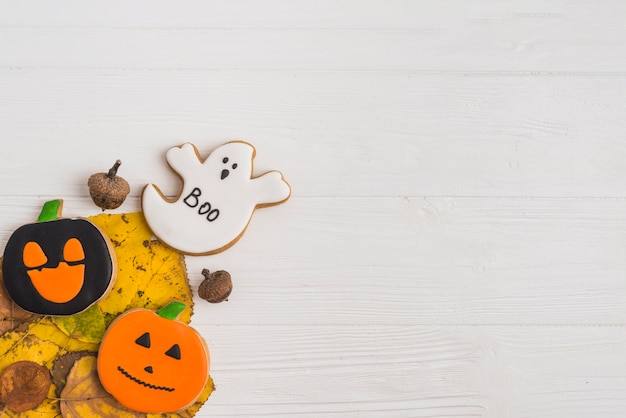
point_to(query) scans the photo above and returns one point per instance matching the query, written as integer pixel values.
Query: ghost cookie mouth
(141, 382)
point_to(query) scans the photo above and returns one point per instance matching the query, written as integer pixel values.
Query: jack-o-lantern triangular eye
(73, 250)
(33, 255)
(144, 340)
(174, 352)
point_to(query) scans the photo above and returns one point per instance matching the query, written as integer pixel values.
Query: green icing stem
(51, 210)
(172, 310)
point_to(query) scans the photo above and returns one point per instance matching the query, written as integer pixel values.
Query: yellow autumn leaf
(149, 274)
(16, 346)
(87, 326)
(121, 228)
(84, 396)
(47, 330)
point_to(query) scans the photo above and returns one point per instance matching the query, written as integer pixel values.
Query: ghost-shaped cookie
(218, 197)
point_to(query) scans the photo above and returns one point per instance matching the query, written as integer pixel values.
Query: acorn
(108, 190)
(216, 286)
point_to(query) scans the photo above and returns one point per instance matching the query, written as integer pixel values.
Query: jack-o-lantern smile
(143, 383)
(150, 362)
(58, 284)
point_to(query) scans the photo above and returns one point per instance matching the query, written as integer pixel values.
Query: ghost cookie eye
(205, 208)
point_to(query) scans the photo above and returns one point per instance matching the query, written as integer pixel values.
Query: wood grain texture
(335, 134)
(415, 371)
(454, 35)
(454, 245)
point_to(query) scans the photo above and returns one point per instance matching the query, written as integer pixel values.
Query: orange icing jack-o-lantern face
(151, 362)
(58, 284)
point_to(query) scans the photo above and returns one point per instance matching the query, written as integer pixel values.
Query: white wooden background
(455, 245)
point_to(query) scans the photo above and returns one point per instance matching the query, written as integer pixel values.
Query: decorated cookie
(151, 362)
(57, 266)
(218, 198)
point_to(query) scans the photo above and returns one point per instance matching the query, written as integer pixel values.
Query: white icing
(218, 198)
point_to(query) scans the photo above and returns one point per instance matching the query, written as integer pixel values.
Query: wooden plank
(413, 261)
(332, 134)
(341, 14)
(416, 371)
(297, 49)
(430, 261)
(433, 36)
(323, 14)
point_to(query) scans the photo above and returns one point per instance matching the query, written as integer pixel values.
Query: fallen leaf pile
(149, 275)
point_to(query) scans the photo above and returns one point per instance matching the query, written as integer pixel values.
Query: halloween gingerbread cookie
(218, 197)
(151, 362)
(57, 266)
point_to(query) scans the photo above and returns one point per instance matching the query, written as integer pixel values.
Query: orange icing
(137, 362)
(33, 255)
(73, 250)
(60, 284)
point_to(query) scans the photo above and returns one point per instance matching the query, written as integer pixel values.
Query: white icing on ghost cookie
(218, 198)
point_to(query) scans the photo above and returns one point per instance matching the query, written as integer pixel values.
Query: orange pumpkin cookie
(58, 266)
(151, 362)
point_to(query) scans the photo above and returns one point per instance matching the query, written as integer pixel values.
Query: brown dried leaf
(24, 385)
(84, 396)
(62, 366)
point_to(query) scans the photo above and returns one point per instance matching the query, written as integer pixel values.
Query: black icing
(174, 352)
(51, 237)
(144, 340)
(226, 172)
(141, 382)
(192, 200)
